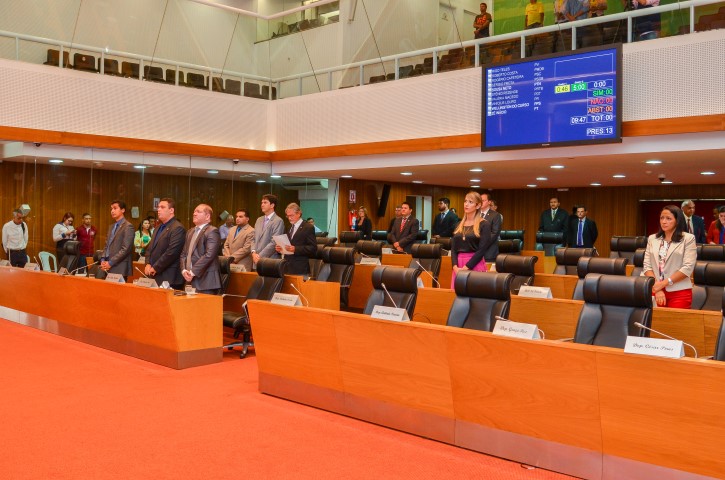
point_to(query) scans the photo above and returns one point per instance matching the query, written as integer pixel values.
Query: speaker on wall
(383, 200)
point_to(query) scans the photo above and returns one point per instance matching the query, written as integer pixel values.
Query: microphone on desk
(429, 274)
(37, 262)
(388, 293)
(637, 324)
(307, 302)
(139, 271)
(61, 272)
(541, 332)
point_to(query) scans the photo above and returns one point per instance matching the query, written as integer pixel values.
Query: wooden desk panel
(317, 294)
(444, 276)
(562, 286)
(433, 305)
(556, 317)
(239, 284)
(361, 286)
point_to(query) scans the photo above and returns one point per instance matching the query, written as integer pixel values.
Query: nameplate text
(516, 330)
(369, 261)
(287, 299)
(658, 347)
(390, 313)
(115, 277)
(535, 292)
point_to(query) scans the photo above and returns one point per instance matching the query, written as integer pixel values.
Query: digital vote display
(563, 99)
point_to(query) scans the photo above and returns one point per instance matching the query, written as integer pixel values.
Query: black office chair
(612, 305)
(511, 247)
(72, 253)
(549, 242)
(326, 241)
(94, 270)
(427, 256)
(512, 235)
(422, 236)
(402, 285)
(480, 298)
(444, 242)
(225, 272)
(567, 259)
(316, 261)
(708, 289)
(338, 266)
(321, 234)
(605, 266)
(720, 344)
(368, 248)
(638, 262)
(380, 235)
(350, 238)
(711, 253)
(624, 247)
(522, 267)
(270, 280)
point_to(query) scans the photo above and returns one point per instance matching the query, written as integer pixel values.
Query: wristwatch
(670, 282)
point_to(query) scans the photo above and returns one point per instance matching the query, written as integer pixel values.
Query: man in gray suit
(496, 220)
(266, 227)
(164, 249)
(239, 241)
(118, 252)
(199, 259)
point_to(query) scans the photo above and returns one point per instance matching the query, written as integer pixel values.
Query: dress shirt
(13, 236)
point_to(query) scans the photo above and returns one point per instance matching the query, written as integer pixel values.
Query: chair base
(245, 344)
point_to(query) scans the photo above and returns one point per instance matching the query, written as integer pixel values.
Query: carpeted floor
(73, 411)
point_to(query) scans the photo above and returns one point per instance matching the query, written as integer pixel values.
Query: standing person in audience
(495, 220)
(200, 255)
(533, 15)
(142, 237)
(266, 227)
(397, 216)
(494, 207)
(86, 234)
(695, 223)
(716, 232)
(554, 219)
(582, 230)
(364, 224)
(482, 23)
(445, 222)
(405, 230)
(226, 227)
(240, 240)
(118, 252)
(62, 233)
(15, 239)
(670, 259)
(471, 238)
(164, 249)
(576, 10)
(302, 242)
(311, 221)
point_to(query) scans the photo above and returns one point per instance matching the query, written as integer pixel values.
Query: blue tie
(579, 236)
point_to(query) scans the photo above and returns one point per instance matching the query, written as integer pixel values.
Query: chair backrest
(512, 235)
(638, 262)
(402, 284)
(110, 66)
(71, 254)
(53, 58)
(480, 297)
(251, 89)
(225, 272)
(316, 261)
(612, 304)
(606, 266)
(349, 239)
(428, 255)
(720, 344)
(270, 279)
(81, 61)
(217, 84)
(233, 86)
(368, 248)
(522, 267)
(422, 236)
(130, 69)
(265, 92)
(94, 269)
(624, 247)
(549, 242)
(567, 259)
(45, 258)
(327, 241)
(195, 80)
(338, 266)
(709, 282)
(153, 74)
(380, 235)
(512, 247)
(711, 253)
(444, 242)
(171, 76)
(321, 234)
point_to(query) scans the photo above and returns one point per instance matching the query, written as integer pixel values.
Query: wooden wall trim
(662, 126)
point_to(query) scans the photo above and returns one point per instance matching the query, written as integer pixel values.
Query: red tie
(402, 224)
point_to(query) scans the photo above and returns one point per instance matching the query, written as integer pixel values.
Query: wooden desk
(539, 266)
(174, 331)
(444, 276)
(360, 286)
(591, 412)
(239, 284)
(562, 286)
(433, 305)
(317, 294)
(397, 259)
(557, 318)
(628, 269)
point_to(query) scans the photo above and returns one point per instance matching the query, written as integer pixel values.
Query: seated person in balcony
(533, 15)
(482, 23)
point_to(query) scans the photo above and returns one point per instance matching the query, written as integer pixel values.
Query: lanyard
(662, 254)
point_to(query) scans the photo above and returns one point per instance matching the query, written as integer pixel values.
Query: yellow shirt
(533, 13)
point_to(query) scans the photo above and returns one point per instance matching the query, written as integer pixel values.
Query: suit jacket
(239, 246)
(496, 221)
(445, 227)
(163, 252)
(120, 250)
(589, 233)
(680, 256)
(204, 258)
(560, 223)
(263, 243)
(713, 233)
(698, 229)
(305, 244)
(407, 237)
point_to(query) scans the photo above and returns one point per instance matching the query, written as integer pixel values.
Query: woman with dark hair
(471, 238)
(62, 233)
(716, 232)
(142, 237)
(364, 224)
(670, 259)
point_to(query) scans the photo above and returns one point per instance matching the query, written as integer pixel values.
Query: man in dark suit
(555, 219)
(118, 252)
(496, 221)
(404, 231)
(199, 258)
(445, 222)
(164, 249)
(302, 237)
(582, 231)
(695, 223)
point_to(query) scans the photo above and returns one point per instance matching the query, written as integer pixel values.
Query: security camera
(37, 144)
(236, 161)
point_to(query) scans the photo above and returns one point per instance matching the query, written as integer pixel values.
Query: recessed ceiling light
(667, 182)
(707, 173)
(274, 175)
(619, 175)
(542, 179)
(595, 184)
(653, 162)
(476, 170)
(140, 167)
(531, 185)
(406, 173)
(55, 160)
(475, 180)
(475, 186)
(345, 176)
(557, 167)
(261, 181)
(417, 181)
(213, 172)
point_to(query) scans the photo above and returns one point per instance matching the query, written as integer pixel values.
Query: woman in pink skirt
(471, 238)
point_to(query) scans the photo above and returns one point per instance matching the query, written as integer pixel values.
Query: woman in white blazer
(670, 258)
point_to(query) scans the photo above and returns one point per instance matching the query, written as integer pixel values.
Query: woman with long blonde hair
(471, 238)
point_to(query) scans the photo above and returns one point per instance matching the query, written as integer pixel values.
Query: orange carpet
(73, 411)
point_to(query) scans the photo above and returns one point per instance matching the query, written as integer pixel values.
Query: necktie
(110, 240)
(579, 236)
(553, 214)
(239, 229)
(192, 247)
(402, 224)
(689, 225)
(443, 215)
(264, 225)
(291, 231)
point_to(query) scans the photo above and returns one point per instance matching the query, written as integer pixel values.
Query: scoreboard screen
(571, 98)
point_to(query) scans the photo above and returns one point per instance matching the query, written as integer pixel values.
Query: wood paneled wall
(616, 210)
(53, 190)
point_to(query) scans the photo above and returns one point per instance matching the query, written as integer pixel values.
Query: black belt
(10, 250)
